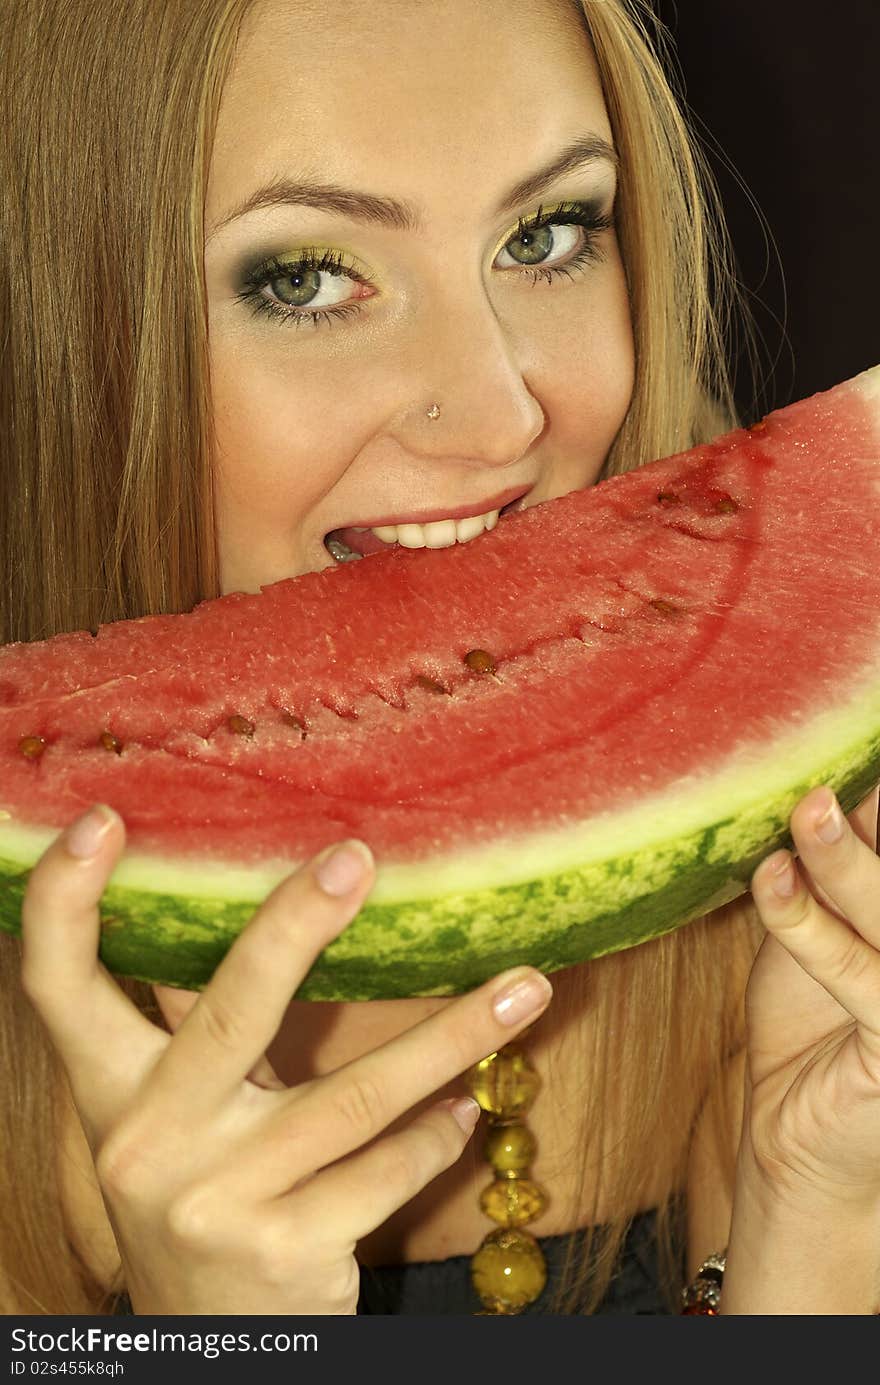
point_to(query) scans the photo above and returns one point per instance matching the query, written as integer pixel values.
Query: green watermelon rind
(591, 889)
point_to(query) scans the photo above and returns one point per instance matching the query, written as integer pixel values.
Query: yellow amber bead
(508, 1271)
(510, 1148)
(512, 1201)
(505, 1084)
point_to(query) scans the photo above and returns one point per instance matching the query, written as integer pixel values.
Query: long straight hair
(108, 112)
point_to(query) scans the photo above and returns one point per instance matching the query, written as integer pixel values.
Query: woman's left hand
(811, 1132)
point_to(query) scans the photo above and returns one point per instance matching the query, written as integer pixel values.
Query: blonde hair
(108, 113)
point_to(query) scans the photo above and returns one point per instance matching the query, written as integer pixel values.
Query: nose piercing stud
(434, 411)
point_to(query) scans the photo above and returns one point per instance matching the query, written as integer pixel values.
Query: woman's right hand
(227, 1197)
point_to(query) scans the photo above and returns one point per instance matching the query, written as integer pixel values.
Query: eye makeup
(305, 267)
(299, 267)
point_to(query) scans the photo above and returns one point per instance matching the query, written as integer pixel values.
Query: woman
(276, 270)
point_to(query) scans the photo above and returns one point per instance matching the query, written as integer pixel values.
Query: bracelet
(703, 1294)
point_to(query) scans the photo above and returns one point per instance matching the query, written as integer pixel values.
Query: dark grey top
(443, 1287)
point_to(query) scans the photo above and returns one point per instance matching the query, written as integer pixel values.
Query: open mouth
(353, 542)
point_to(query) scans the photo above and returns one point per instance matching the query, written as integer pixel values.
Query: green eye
(543, 246)
(304, 285)
(531, 247)
(312, 285)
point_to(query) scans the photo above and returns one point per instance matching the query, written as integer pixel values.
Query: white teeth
(440, 533)
(469, 528)
(411, 535)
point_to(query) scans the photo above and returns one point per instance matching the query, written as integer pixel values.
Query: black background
(790, 91)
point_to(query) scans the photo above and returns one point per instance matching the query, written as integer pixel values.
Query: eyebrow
(404, 216)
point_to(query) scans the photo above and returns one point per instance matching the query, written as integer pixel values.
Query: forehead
(394, 96)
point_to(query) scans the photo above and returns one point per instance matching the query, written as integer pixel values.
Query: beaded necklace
(508, 1271)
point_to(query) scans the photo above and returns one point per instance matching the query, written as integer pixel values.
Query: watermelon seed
(726, 505)
(479, 661)
(430, 684)
(668, 498)
(32, 747)
(290, 720)
(109, 742)
(665, 608)
(240, 725)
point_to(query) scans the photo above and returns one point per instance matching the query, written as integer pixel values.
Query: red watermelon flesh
(606, 576)
(641, 633)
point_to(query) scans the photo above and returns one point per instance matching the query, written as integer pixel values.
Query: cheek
(274, 430)
(585, 373)
(279, 446)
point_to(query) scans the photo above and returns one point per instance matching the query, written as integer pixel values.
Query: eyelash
(309, 258)
(583, 214)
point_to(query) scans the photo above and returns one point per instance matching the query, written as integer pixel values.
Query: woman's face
(409, 146)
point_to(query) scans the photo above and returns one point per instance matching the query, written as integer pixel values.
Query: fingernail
(829, 827)
(86, 836)
(340, 868)
(522, 997)
(783, 879)
(465, 1111)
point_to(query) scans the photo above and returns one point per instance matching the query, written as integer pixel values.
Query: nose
(461, 361)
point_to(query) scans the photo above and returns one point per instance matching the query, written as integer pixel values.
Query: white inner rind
(756, 776)
(868, 385)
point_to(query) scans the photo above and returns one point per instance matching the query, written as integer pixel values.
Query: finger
(323, 1218)
(864, 819)
(176, 1003)
(262, 1074)
(826, 947)
(104, 1041)
(330, 1116)
(239, 1012)
(838, 859)
(360, 1193)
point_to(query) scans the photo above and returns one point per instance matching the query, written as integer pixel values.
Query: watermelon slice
(569, 735)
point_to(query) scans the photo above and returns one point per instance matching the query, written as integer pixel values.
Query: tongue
(361, 541)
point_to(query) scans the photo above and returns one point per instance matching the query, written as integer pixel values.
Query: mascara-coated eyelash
(310, 258)
(587, 215)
